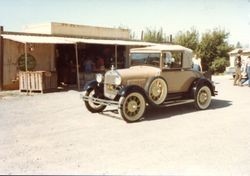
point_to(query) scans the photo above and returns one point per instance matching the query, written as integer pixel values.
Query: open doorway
(66, 64)
(101, 56)
(96, 58)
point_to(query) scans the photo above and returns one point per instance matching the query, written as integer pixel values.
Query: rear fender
(199, 82)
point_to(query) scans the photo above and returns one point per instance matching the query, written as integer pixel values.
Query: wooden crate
(32, 81)
(23, 81)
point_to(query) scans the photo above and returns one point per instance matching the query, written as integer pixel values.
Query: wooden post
(171, 38)
(26, 56)
(142, 35)
(1, 58)
(116, 56)
(26, 67)
(77, 68)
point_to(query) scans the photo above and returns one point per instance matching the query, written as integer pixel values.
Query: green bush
(219, 65)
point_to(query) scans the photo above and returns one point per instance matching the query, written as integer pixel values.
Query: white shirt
(248, 62)
(197, 61)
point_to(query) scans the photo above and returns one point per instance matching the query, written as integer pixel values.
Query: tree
(153, 35)
(218, 65)
(189, 39)
(213, 46)
(132, 35)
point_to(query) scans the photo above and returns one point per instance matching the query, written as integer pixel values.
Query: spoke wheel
(90, 105)
(132, 107)
(157, 91)
(203, 98)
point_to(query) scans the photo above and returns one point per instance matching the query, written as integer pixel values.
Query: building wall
(12, 51)
(43, 53)
(83, 30)
(38, 28)
(45, 57)
(78, 30)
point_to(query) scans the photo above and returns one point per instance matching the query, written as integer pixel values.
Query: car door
(178, 79)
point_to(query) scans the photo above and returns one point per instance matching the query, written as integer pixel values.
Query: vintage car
(159, 75)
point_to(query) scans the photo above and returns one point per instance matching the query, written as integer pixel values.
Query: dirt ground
(53, 133)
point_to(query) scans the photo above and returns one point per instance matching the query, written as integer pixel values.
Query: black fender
(123, 92)
(90, 85)
(199, 82)
(98, 87)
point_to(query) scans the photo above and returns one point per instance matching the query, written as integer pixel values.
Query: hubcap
(203, 97)
(132, 106)
(156, 90)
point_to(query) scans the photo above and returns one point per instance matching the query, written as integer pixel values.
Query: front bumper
(215, 92)
(100, 101)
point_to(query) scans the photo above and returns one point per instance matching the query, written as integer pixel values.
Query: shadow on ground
(167, 112)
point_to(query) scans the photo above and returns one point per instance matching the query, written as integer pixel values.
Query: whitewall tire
(90, 105)
(132, 107)
(203, 97)
(157, 91)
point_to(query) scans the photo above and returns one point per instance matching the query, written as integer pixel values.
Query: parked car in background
(158, 76)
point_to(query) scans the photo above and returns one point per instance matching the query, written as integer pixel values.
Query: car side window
(172, 60)
(167, 60)
(152, 59)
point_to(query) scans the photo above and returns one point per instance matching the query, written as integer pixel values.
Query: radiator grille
(110, 90)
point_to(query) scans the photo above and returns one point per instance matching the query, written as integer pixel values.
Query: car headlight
(118, 80)
(99, 78)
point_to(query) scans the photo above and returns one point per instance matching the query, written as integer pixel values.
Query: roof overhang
(36, 39)
(68, 40)
(161, 48)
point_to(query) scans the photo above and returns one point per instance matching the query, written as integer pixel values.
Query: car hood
(138, 72)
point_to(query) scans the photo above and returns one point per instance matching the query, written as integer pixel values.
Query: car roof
(160, 48)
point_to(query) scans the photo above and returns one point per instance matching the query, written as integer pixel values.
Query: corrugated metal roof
(67, 40)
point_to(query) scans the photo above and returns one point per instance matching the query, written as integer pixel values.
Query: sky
(172, 16)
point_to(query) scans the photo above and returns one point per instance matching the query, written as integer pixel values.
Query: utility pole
(1, 59)
(142, 35)
(170, 38)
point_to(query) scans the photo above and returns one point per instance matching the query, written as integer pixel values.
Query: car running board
(177, 102)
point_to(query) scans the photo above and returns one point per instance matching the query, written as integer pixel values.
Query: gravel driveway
(53, 133)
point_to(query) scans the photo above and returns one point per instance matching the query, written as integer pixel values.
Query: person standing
(197, 63)
(237, 65)
(248, 69)
(100, 64)
(88, 69)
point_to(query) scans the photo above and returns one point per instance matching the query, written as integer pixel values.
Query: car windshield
(152, 59)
